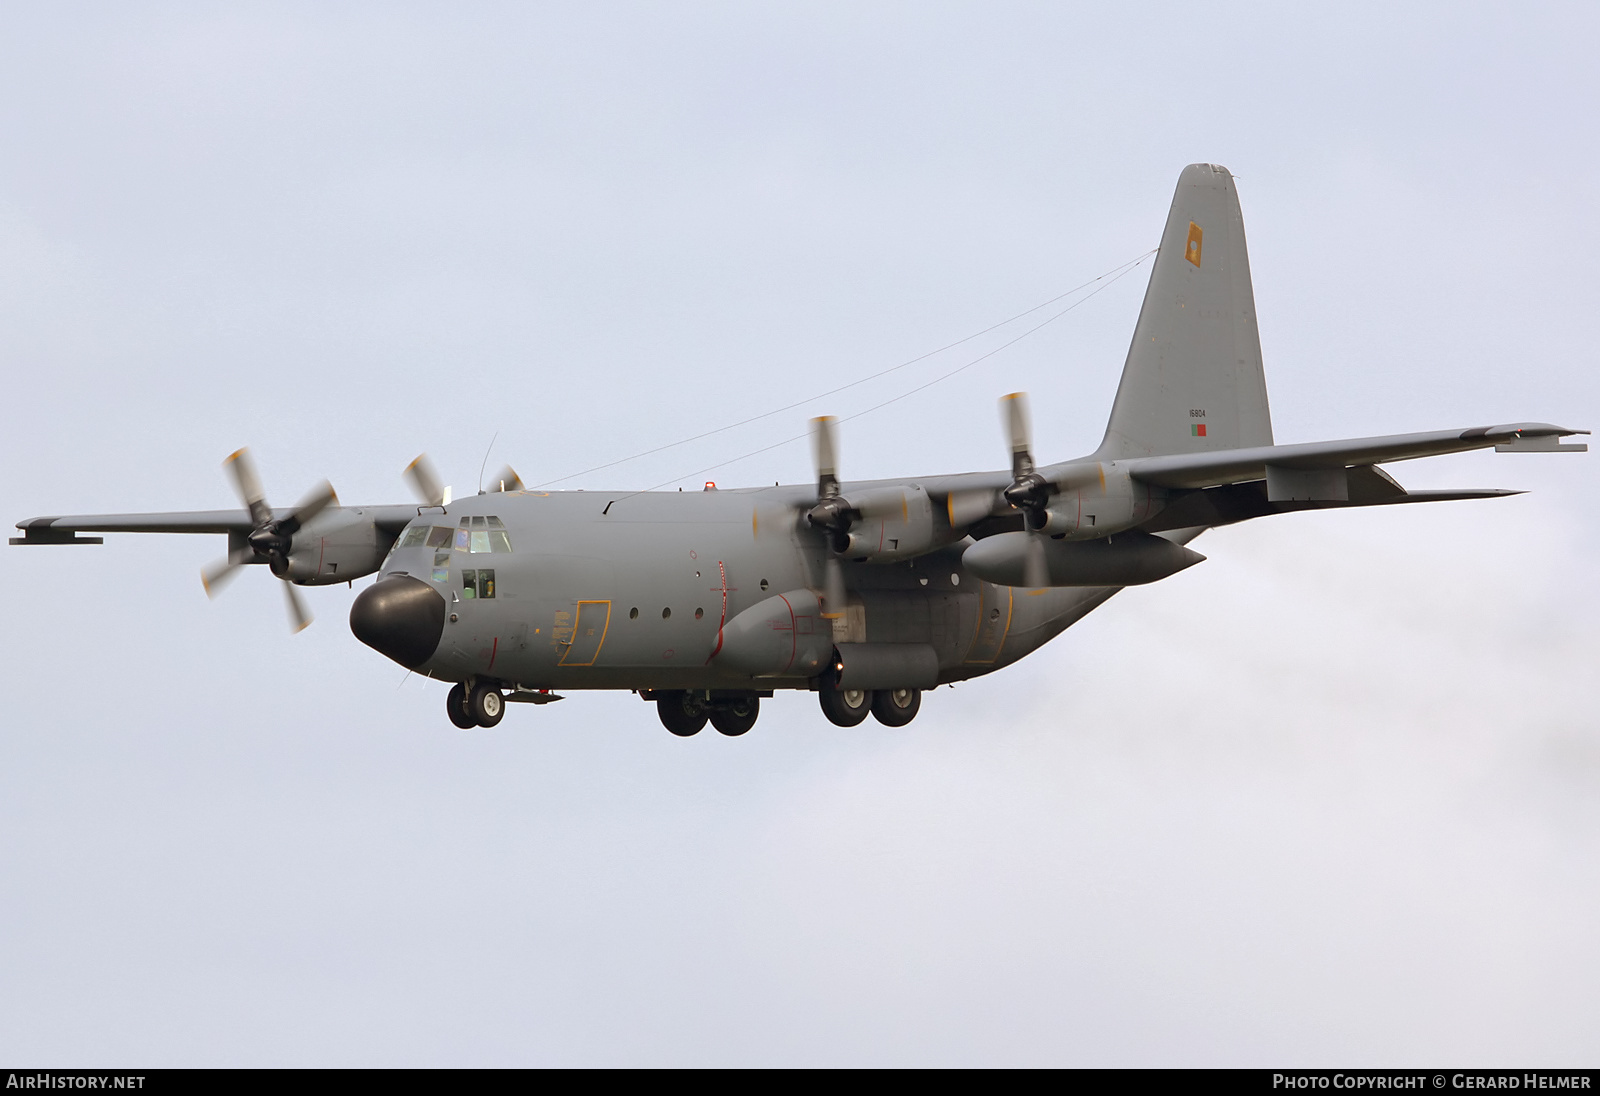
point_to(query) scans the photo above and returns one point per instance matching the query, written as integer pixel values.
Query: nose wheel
(482, 706)
(456, 706)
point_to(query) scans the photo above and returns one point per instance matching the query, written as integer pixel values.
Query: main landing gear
(686, 713)
(481, 706)
(849, 707)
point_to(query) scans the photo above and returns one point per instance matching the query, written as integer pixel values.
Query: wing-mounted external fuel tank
(1126, 559)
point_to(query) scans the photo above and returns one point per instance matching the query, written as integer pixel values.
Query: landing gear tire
(456, 705)
(843, 707)
(736, 718)
(486, 705)
(896, 707)
(681, 713)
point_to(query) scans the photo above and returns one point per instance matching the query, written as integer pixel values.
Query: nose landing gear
(482, 706)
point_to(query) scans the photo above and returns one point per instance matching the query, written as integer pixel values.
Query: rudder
(1193, 380)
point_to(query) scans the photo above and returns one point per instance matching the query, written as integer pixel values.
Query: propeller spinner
(270, 538)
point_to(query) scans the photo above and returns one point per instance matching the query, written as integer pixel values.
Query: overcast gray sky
(1331, 798)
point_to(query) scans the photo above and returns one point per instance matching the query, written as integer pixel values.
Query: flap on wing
(1236, 502)
(1241, 465)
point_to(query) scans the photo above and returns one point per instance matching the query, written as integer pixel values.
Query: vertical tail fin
(1193, 380)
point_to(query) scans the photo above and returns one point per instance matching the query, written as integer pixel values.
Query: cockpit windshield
(473, 535)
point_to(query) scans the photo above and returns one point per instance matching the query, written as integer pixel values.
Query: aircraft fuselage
(573, 590)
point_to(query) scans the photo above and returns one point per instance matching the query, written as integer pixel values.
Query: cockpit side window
(499, 539)
(414, 536)
(439, 537)
(477, 584)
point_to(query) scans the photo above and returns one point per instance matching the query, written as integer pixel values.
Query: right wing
(62, 530)
(1224, 466)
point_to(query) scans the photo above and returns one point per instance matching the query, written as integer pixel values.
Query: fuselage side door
(588, 633)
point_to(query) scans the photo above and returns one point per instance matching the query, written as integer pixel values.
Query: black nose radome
(399, 617)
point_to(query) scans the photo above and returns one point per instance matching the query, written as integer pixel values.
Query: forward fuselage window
(477, 583)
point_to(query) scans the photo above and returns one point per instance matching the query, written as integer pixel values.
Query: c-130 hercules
(865, 592)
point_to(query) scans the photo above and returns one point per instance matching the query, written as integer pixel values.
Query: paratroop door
(588, 633)
(994, 621)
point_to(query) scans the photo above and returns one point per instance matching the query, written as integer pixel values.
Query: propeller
(269, 538)
(506, 480)
(1028, 491)
(831, 514)
(424, 480)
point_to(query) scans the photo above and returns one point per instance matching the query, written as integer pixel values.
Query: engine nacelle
(1127, 559)
(783, 636)
(1117, 502)
(336, 546)
(894, 523)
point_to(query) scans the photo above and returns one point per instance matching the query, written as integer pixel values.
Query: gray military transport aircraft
(864, 592)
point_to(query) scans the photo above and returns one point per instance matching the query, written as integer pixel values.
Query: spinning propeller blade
(1035, 572)
(1029, 491)
(1015, 410)
(831, 515)
(215, 576)
(825, 454)
(299, 617)
(506, 480)
(318, 499)
(248, 485)
(424, 480)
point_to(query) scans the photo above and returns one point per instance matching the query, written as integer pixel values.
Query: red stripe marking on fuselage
(794, 641)
(723, 619)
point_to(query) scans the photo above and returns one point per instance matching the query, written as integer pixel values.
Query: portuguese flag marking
(1197, 430)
